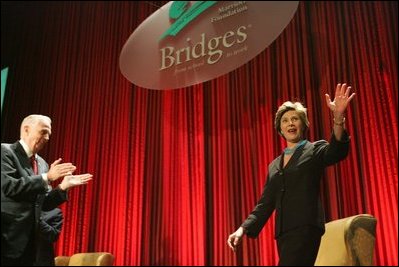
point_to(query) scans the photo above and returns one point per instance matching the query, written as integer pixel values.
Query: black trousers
(299, 247)
(26, 259)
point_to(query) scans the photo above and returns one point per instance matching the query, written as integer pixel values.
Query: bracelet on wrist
(339, 123)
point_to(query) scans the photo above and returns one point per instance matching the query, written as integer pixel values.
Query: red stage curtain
(175, 172)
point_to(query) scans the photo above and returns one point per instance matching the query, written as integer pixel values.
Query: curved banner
(188, 42)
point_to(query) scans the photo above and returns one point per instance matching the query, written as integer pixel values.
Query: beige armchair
(348, 242)
(86, 259)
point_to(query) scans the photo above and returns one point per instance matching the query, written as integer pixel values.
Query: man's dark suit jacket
(50, 225)
(23, 196)
(293, 190)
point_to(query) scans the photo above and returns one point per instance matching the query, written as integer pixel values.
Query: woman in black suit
(293, 184)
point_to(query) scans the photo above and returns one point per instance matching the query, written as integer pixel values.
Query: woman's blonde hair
(286, 106)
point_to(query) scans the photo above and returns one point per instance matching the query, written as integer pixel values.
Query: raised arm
(338, 107)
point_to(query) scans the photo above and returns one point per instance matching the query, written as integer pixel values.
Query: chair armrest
(62, 261)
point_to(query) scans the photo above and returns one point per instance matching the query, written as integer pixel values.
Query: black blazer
(293, 191)
(50, 225)
(23, 196)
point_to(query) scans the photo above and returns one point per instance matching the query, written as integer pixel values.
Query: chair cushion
(348, 241)
(92, 259)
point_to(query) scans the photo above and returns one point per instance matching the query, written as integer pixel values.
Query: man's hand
(58, 169)
(70, 181)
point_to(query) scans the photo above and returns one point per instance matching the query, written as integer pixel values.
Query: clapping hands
(70, 181)
(58, 170)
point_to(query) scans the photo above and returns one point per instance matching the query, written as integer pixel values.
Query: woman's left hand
(341, 99)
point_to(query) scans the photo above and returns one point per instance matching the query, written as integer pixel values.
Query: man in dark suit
(25, 189)
(50, 225)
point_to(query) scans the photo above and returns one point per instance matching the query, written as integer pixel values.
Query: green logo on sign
(184, 15)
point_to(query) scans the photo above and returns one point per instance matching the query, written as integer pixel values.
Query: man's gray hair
(32, 120)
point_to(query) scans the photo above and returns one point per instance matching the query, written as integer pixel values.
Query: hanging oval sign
(188, 42)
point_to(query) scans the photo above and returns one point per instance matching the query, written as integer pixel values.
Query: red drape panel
(175, 172)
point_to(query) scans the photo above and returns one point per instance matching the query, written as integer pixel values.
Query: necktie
(34, 164)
